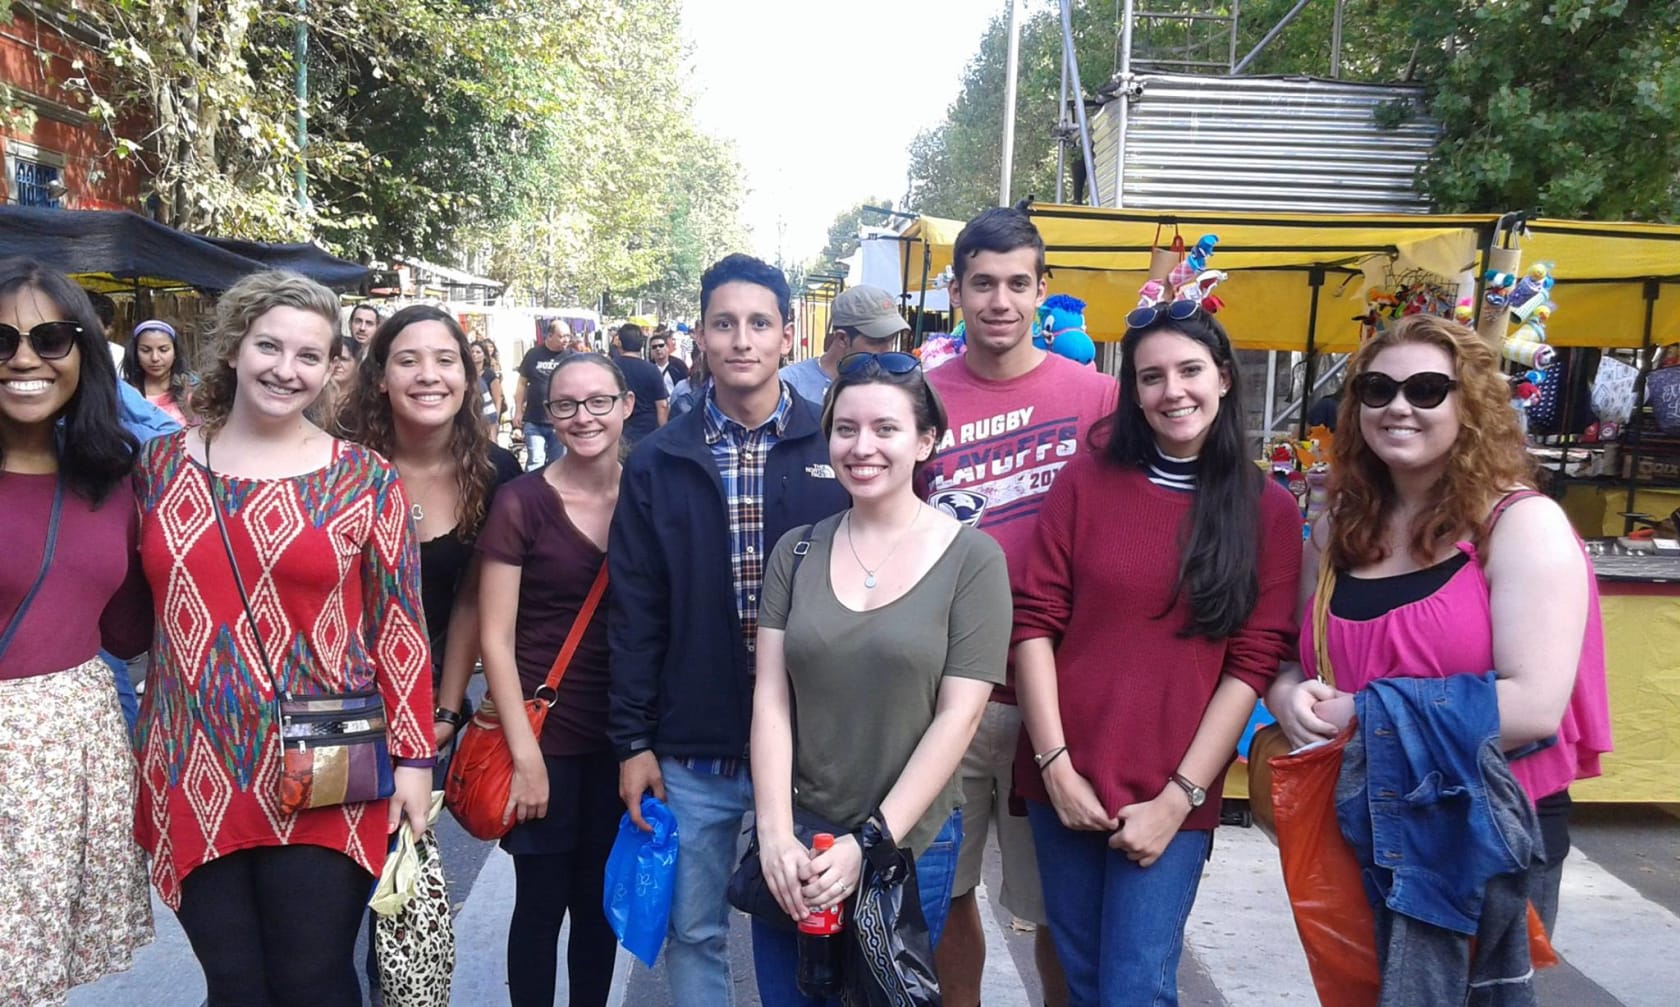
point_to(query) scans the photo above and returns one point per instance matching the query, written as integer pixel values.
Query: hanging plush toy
(1194, 262)
(941, 348)
(1062, 320)
(1498, 288)
(1532, 291)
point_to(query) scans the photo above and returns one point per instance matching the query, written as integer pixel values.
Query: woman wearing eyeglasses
(1156, 605)
(1447, 562)
(72, 584)
(541, 552)
(876, 652)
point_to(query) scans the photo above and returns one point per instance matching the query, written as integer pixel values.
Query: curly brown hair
(366, 415)
(1488, 459)
(236, 310)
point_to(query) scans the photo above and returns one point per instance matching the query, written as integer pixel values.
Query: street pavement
(1618, 931)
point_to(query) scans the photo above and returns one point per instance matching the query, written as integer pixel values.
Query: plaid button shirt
(740, 455)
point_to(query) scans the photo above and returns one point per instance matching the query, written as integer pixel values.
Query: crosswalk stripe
(1619, 939)
(1241, 930)
(1000, 983)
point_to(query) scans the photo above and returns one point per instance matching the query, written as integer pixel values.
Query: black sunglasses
(49, 340)
(1149, 314)
(1424, 390)
(854, 365)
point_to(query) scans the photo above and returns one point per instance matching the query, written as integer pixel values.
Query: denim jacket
(1431, 817)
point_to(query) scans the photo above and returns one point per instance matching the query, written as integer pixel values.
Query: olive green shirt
(865, 684)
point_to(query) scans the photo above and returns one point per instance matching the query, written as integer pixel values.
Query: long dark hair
(366, 419)
(179, 388)
(1218, 567)
(94, 451)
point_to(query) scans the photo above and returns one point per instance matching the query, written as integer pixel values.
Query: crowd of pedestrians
(1009, 594)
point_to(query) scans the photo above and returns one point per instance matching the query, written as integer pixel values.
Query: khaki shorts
(986, 773)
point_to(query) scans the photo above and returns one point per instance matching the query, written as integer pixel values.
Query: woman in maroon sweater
(1157, 603)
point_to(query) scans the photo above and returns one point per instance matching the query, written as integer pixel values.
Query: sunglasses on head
(1424, 390)
(1149, 314)
(49, 340)
(861, 364)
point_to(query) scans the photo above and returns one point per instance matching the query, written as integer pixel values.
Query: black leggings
(276, 926)
(583, 812)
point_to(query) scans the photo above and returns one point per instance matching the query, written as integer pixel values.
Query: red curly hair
(1489, 458)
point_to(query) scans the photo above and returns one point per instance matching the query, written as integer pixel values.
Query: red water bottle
(820, 948)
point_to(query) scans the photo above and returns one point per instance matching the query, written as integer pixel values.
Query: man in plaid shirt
(702, 502)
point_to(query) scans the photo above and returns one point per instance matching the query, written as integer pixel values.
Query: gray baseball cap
(867, 310)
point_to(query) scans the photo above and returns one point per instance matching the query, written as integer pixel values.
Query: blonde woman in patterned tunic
(325, 547)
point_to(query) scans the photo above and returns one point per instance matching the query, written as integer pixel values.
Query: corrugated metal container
(1263, 144)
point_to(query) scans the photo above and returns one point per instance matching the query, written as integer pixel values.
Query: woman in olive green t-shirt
(878, 650)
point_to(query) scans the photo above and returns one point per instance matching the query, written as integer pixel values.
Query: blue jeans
(776, 952)
(542, 445)
(708, 808)
(1118, 927)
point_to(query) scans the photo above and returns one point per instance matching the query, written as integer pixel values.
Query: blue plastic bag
(641, 875)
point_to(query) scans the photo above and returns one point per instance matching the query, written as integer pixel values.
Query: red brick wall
(35, 57)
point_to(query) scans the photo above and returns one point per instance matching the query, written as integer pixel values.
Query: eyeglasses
(596, 405)
(854, 365)
(1149, 314)
(1424, 390)
(49, 340)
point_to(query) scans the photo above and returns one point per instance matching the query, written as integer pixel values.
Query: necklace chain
(868, 574)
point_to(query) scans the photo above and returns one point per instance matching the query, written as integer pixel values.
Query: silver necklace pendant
(418, 512)
(868, 581)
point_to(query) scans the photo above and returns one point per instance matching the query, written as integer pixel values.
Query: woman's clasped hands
(805, 882)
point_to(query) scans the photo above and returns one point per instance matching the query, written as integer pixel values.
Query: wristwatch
(1197, 795)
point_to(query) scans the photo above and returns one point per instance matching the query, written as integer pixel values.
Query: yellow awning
(1102, 256)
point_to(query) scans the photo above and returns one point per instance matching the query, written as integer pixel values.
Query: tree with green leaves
(1566, 107)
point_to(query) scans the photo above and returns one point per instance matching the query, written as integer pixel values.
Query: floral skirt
(76, 903)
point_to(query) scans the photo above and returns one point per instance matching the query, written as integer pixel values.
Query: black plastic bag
(890, 963)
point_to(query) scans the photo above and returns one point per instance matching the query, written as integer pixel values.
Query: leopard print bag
(415, 945)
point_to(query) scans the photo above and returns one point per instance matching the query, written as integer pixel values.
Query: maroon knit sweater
(1132, 691)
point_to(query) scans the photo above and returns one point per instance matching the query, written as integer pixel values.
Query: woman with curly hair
(76, 905)
(283, 565)
(489, 386)
(1447, 562)
(155, 365)
(413, 402)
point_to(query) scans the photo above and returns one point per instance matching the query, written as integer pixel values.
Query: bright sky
(823, 99)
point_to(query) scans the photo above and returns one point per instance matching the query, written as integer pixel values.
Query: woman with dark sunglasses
(881, 634)
(541, 552)
(1448, 562)
(76, 905)
(1155, 608)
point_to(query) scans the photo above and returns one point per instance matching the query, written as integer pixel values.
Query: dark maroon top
(528, 528)
(94, 594)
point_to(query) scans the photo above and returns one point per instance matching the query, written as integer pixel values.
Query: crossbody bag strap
(1321, 618)
(1484, 534)
(573, 638)
(47, 550)
(233, 564)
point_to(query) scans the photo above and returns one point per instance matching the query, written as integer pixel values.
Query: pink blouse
(1451, 633)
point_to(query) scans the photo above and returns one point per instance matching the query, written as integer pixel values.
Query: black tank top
(1361, 599)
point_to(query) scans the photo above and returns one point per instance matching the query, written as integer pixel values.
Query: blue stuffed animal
(1062, 324)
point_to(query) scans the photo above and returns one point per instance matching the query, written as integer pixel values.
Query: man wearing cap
(863, 319)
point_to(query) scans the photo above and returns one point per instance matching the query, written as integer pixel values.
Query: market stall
(1299, 283)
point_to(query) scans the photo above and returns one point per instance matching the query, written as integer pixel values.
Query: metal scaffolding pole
(1011, 65)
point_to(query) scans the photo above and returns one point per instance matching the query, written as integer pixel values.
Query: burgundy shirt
(1101, 570)
(94, 594)
(528, 528)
